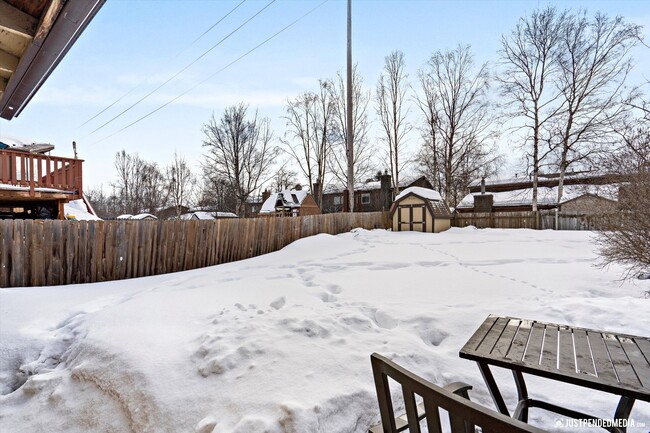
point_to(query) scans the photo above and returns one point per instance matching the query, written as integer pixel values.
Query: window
(338, 200)
(365, 198)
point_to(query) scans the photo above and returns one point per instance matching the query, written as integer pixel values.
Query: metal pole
(349, 126)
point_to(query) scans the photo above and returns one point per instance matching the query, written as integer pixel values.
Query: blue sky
(139, 44)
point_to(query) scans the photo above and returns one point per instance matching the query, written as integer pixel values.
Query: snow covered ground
(281, 342)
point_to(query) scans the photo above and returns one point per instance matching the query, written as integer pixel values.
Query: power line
(175, 56)
(217, 72)
(185, 68)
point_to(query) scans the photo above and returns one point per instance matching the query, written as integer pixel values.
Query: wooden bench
(464, 415)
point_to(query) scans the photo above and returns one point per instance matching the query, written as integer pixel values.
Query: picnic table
(599, 360)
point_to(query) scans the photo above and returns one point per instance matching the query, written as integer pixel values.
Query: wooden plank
(5, 251)
(584, 357)
(69, 246)
(604, 367)
(566, 351)
(519, 343)
(17, 248)
(92, 252)
(550, 347)
(477, 338)
(534, 348)
(504, 342)
(55, 249)
(487, 344)
(638, 362)
(624, 370)
(100, 247)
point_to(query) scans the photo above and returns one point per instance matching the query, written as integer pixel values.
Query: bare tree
(216, 194)
(239, 152)
(363, 150)
(594, 64)
(391, 109)
(180, 183)
(530, 58)
(459, 128)
(628, 240)
(283, 179)
(307, 139)
(140, 184)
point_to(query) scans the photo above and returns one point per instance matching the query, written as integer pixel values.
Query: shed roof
(431, 198)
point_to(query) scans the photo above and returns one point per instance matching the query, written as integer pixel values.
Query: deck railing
(35, 170)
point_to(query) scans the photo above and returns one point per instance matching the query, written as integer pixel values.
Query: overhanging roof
(34, 36)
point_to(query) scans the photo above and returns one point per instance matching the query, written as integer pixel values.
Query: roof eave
(43, 55)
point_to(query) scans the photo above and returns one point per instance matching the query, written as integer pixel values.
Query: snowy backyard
(281, 342)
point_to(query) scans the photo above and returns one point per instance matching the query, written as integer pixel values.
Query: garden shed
(420, 209)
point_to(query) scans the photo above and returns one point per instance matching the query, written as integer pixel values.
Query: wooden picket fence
(50, 252)
(541, 220)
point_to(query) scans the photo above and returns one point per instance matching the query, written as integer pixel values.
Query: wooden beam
(8, 64)
(48, 19)
(17, 21)
(3, 85)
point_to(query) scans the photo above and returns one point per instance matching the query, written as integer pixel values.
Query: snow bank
(281, 342)
(78, 209)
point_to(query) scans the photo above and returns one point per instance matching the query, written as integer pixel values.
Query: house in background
(289, 203)
(420, 209)
(371, 196)
(587, 193)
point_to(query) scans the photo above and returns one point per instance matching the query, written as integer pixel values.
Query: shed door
(412, 218)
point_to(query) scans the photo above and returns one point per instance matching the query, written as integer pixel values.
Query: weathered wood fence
(541, 220)
(48, 252)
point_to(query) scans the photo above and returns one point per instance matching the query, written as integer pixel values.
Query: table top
(601, 360)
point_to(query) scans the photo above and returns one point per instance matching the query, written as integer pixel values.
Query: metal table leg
(521, 413)
(623, 411)
(493, 388)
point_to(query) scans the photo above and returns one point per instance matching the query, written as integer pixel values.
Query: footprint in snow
(278, 303)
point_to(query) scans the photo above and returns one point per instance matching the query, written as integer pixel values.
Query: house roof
(546, 196)
(372, 185)
(34, 36)
(286, 198)
(545, 180)
(205, 215)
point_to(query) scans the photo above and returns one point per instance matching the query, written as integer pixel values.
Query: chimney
(483, 185)
(386, 196)
(265, 195)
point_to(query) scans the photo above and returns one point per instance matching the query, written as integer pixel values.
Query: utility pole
(349, 126)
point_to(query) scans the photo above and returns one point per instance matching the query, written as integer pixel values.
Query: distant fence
(50, 252)
(533, 220)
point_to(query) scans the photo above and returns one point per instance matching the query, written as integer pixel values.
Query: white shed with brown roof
(420, 209)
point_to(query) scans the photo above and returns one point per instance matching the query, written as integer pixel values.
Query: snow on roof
(545, 195)
(206, 215)
(369, 185)
(77, 209)
(143, 216)
(288, 198)
(126, 216)
(542, 177)
(426, 193)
